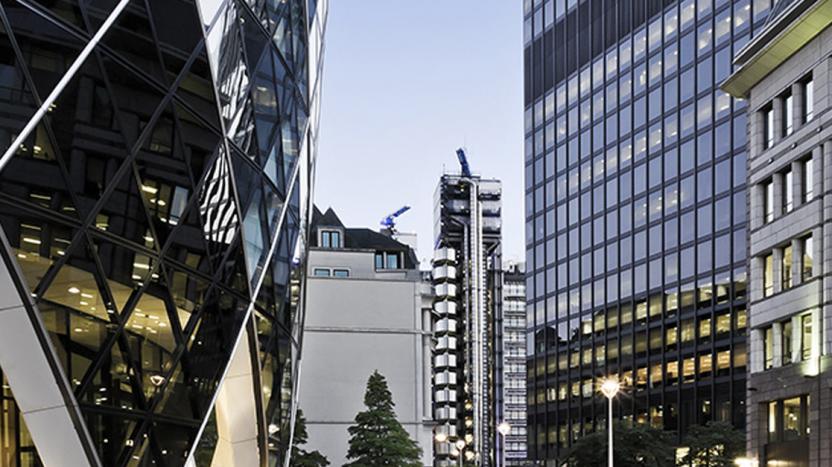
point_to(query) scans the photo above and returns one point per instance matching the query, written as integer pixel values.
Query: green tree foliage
(639, 445)
(716, 444)
(302, 457)
(377, 438)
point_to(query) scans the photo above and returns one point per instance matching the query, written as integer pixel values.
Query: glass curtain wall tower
(635, 214)
(154, 226)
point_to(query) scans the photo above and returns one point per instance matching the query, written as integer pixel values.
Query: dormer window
(330, 239)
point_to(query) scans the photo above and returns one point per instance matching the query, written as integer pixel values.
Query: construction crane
(389, 222)
(463, 162)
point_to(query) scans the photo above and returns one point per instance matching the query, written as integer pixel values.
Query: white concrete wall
(354, 326)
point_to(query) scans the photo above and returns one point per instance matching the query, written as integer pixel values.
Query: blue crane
(463, 161)
(390, 221)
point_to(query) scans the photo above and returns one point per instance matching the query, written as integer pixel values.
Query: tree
(638, 445)
(301, 457)
(716, 444)
(377, 438)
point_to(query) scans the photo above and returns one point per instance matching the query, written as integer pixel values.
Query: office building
(512, 353)
(153, 228)
(368, 308)
(635, 214)
(467, 275)
(783, 73)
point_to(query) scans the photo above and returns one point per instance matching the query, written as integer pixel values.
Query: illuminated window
(768, 201)
(808, 180)
(768, 275)
(808, 100)
(787, 267)
(806, 337)
(808, 257)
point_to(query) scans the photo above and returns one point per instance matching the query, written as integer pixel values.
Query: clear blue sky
(405, 84)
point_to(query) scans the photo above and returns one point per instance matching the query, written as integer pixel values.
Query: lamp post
(610, 388)
(460, 445)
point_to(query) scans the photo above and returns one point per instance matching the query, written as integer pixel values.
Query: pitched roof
(328, 219)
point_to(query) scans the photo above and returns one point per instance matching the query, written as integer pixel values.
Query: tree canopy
(377, 438)
(716, 444)
(633, 446)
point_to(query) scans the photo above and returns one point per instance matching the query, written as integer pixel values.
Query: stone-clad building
(784, 75)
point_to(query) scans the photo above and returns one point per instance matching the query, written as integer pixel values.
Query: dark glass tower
(154, 225)
(635, 214)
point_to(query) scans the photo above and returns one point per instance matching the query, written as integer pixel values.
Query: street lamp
(460, 445)
(610, 388)
(441, 437)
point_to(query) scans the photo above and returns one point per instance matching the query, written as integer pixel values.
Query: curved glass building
(154, 226)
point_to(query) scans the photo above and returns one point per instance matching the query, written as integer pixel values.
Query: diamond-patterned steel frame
(161, 204)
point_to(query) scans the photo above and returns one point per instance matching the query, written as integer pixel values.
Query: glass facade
(159, 209)
(635, 168)
(16, 446)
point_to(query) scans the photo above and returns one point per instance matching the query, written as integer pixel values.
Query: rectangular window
(330, 239)
(788, 191)
(808, 180)
(787, 267)
(806, 337)
(768, 348)
(321, 272)
(769, 123)
(808, 100)
(788, 118)
(341, 273)
(379, 260)
(768, 275)
(794, 419)
(808, 257)
(769, 201)
(392, 261)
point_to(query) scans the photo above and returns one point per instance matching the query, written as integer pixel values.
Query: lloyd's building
(155, 185)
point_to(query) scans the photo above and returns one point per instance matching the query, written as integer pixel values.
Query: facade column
(777, 269)
(779, 107)
(797, 105)
(757, 360)
(798, 168)
(777, 345)
(757, 206)
(779, 194)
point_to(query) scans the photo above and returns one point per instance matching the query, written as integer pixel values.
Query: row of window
(786, 190)
(656, 340)
(775, 130)
(573, 325)
(789, 264)
(330, 272)
(661, 416)
(788, 419)
(690, 369)
(783, 344)
(330, 239)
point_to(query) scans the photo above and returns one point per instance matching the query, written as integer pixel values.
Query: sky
(407, 83)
